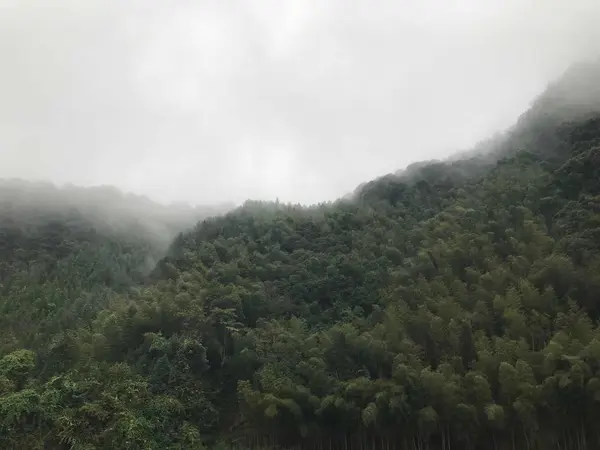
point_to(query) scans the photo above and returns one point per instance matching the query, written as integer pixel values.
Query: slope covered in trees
(451, 305)
(64, 252)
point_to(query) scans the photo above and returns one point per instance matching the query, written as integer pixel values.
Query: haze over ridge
(220, 101)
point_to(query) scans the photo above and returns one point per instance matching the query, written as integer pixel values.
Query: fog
(213, 101)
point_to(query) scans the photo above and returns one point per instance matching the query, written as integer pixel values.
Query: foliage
(453, 305)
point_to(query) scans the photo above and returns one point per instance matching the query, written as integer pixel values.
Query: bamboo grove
(451, 306)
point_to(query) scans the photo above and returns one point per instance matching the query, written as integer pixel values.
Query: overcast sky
(209, 101)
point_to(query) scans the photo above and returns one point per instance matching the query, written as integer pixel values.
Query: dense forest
(451, 305)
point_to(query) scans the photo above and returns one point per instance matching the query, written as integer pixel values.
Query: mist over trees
(454, 304)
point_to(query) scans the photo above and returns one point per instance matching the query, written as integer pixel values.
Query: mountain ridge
(452, 305)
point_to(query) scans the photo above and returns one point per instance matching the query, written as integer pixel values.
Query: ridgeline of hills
(65, 252)
(454, 304)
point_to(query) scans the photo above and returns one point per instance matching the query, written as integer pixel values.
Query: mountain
(109, 208)
(454, 304)
(65, 252)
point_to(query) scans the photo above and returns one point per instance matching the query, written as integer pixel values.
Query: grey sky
(207, 101)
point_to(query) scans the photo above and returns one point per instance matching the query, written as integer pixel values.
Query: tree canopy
(451, 305)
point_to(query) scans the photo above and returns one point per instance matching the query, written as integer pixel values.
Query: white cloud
(214, 100)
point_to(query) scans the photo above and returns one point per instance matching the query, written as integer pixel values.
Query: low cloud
(209, 101)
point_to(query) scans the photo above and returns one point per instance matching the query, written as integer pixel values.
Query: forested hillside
(452, 305)
(65, 252)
